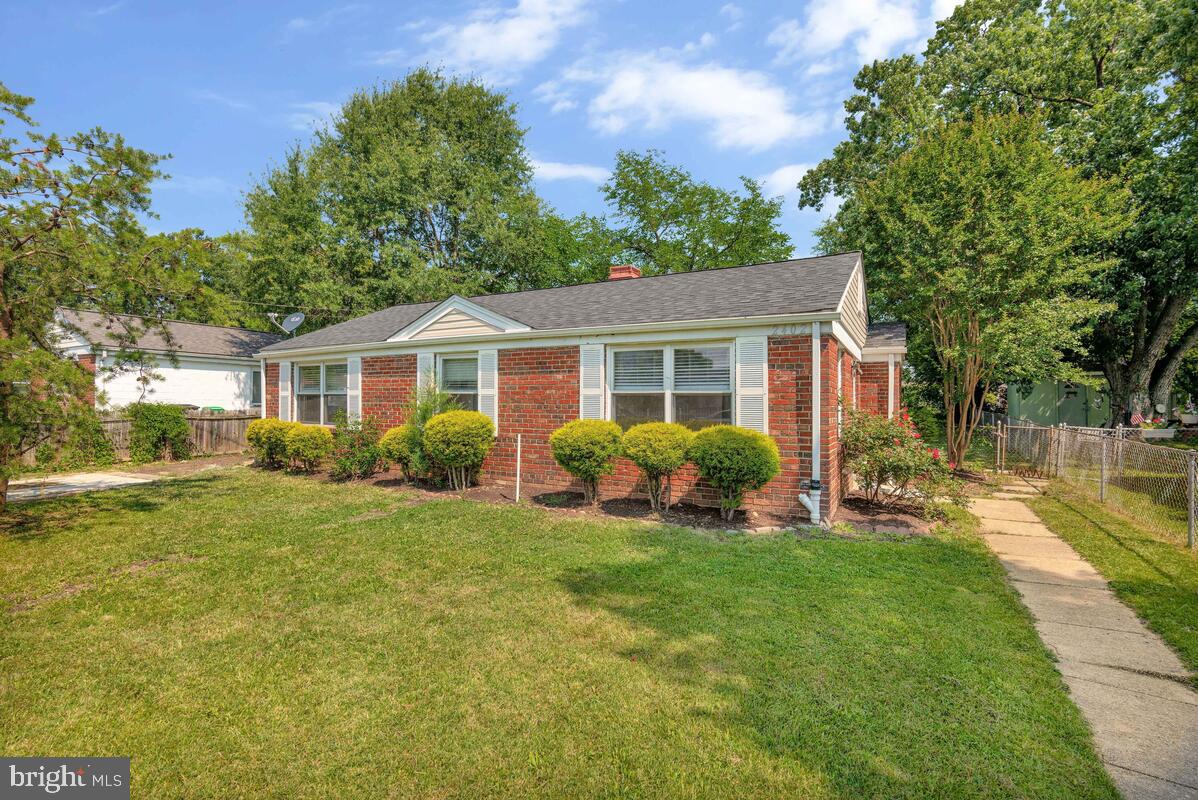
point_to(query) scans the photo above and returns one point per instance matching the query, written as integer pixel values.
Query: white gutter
(811, 498)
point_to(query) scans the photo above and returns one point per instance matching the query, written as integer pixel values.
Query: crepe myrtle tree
(70, 236)
(982, 239)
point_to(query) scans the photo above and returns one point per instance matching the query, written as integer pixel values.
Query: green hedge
(267, 439)
(158, 431)
(308, 446)
(459, 442)
(659, 449)
(399, 445)
(734, 460)
(585, 448)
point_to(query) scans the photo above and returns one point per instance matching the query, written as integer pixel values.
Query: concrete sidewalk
(1131, 688)
(75, 483)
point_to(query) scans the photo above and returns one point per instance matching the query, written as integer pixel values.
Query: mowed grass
(1156, 576)
(242, 634)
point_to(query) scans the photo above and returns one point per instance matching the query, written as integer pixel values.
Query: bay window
(320, 393)
(458, 376)
(690, 385)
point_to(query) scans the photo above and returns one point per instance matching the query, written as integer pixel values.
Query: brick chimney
(622, 272)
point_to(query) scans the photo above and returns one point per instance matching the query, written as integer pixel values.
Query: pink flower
(936, 453)
(915, 434)
(952, 465)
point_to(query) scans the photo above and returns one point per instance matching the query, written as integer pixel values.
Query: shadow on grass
(38, 519)
(849, 661)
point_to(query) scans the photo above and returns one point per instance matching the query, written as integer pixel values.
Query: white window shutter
(353, 387)
(488, 385)
(285, 390)
(591, 388)
(425, 369)
(752, 383)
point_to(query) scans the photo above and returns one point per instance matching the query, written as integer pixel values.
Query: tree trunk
(1166, 369)
(3, 493)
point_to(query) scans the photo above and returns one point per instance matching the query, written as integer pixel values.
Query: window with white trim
(458, 375)
(320, 392)
(690, 385)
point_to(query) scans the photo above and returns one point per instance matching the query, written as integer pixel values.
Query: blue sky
(725, 89)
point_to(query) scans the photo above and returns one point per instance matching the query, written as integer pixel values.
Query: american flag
(1137, 418)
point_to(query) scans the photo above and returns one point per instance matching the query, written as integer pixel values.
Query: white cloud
(732, 11)
(210, 96)
(943, 9)
(499, 44)
(320, 21)
(874, 28)
(387, 58)
(104, 11)
(557, 96)
(202, 185)
(784, 180)
(739, 108)
(559, 171)
(309, 115)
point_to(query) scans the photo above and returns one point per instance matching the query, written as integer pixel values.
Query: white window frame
(439, 372)
(668, 374)
(295, 389)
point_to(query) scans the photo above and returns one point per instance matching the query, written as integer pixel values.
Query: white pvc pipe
(811, 499)
(517, 468)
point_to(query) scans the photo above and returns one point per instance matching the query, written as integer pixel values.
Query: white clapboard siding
(590, 390)
(752, 378)
(424, 369)
(488, 385)
(285, 390)
(353, 387)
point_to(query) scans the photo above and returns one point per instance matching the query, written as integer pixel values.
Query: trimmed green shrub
(425, 402)
(585, 449)
(894, 465)
(659, 449)
(158, 432)
(267, 439)
(397, 445)
(459, 442)
(356, 451)
(308, 446)
(734, 460)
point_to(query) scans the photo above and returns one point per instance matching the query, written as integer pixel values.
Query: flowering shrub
(894, 465)
(356, 452)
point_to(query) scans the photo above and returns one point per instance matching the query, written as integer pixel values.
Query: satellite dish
(292, 321)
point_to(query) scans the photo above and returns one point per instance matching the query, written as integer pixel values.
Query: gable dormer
(457, 317)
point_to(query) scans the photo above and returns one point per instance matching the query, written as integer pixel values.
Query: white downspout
(810, 499)
(890, 385)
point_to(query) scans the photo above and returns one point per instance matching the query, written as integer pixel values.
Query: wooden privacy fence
(212, 432)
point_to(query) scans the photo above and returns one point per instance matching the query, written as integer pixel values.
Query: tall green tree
(981, 236)
(664, 220)
(69, 236)
(1113, 82)
(418, 189)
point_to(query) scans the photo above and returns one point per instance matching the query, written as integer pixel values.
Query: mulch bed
(861, 514)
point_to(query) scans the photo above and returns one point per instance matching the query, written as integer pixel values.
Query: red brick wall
(538, 393)
(387, 384)
(873, 389)
(272, 390)
(88, 362)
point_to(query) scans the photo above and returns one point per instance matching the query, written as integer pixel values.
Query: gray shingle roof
(797, 286)
(189, 337)
(887, 334)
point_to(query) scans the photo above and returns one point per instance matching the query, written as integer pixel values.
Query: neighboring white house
(213, 365)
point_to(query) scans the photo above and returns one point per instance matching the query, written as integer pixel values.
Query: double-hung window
(458, 376)
(320, 394)
(690, 385)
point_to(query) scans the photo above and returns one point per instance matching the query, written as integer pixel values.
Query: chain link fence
(1154, 484)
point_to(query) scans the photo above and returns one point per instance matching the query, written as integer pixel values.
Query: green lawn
(242, 634)
(1156, 577)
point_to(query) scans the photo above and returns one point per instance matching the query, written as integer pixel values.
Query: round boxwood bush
(734, 460)
(398, 444)
(308, 446)
(585, 449)
(267, 439)
(659, 449)
(459, 441)
(158, 431)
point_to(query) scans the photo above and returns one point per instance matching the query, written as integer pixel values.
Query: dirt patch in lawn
(681, 514)
(175, 469)
(76, 587)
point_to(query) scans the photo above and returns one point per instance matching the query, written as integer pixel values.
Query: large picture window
(459, 377)
(320, 394)
(688, 385)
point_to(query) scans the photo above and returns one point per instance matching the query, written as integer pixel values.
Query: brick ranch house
(734, 345)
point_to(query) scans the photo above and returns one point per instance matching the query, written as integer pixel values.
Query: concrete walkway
(75, 483)
(1131, 688)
